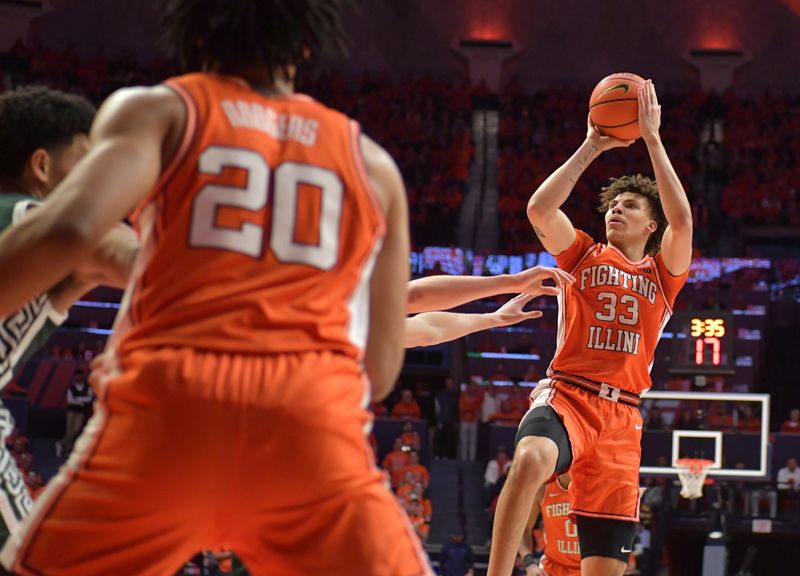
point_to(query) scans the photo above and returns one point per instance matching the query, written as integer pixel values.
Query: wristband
(529, 560)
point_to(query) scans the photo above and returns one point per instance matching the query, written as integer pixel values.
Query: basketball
(614, 105)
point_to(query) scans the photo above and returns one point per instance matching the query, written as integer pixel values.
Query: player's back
(261, 234)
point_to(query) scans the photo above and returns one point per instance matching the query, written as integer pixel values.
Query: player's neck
(633, 252)
(280, 82)
(20, 186)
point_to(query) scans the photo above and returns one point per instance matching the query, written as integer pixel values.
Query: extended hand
(512, 311)
(649, 112)
(603, 143)
(531, 281)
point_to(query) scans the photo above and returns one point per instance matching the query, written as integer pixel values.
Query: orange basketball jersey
(261, 234)
(611, 317)
(560, 533)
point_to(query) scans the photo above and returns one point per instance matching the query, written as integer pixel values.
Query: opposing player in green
(43, 134)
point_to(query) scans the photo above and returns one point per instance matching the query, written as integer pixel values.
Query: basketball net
(692, 473)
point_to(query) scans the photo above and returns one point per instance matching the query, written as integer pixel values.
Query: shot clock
(702, 342)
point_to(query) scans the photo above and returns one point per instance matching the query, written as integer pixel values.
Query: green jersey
(25, 331)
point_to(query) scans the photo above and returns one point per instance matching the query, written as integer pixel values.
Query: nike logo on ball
(638, 426)
(623, 87)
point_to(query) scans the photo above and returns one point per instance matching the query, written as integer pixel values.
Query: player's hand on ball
(603, 143)
(649, 112)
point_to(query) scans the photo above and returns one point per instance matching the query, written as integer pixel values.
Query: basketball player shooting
(586, 419)
(266, 305)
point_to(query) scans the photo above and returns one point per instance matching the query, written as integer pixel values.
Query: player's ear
(39, 164)
(652, 226)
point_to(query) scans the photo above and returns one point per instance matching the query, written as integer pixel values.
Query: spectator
(689, 419)
(80, 398)
(409, 491)
(655, 420)
(789, 476)
(489, 404)
(406, 488)
(524, 345)
(419, 473)
(792, 425)
(33, 481)
(447, 401)
(395, 461)
(494, 470)
(378, 409)
(719, 417)
(456, 557)
(532, 373)
(427, 407)
(373, 443)
(749, 421)
(416, 515)
(507, 415)
(410, 438)
(407, 408)
(500, 374)
(469, 407)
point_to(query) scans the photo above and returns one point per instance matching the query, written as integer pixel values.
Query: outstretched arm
(436, 293)
(676, 245)
(551, 225)
(431, 328)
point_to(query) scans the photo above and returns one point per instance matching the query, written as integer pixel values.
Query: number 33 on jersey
(611, 318)
(263, 224)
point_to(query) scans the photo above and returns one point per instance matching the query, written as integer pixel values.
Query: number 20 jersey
(612, 316)
(262, 232)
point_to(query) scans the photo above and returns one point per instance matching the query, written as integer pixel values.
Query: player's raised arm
(442, 292)
(676, 245)
(384, 354)
(128, 136)
(551, 225)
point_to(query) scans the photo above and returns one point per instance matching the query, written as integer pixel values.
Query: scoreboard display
(702, 342)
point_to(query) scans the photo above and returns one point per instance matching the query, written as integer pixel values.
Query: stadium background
(479, 100)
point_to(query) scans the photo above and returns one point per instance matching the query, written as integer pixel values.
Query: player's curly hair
(231, 33)
(33, 117)
(643, 186)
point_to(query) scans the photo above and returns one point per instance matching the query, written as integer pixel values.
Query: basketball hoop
(692, 473)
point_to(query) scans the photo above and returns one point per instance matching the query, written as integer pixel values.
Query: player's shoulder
(142, 104)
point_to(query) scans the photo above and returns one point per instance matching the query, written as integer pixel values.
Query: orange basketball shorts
(263, 455)
(606, 439)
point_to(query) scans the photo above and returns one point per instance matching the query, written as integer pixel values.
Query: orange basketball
(614, 105)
